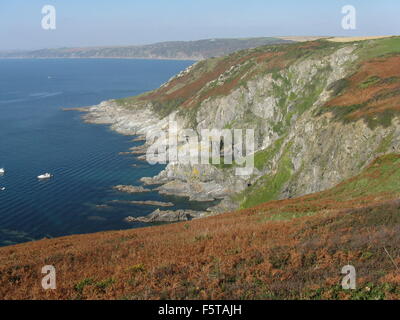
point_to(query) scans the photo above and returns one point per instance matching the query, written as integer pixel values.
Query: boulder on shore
(146, 203)
(131, 189)
(167, 216)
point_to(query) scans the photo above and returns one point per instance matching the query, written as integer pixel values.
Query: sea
(37, 136)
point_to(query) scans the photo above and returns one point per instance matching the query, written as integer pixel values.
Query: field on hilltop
(351, 39)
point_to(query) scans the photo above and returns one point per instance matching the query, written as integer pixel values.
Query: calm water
(36, 136)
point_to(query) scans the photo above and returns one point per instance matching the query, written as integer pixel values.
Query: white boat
(2, 171)
(2, 188)
(44, 176)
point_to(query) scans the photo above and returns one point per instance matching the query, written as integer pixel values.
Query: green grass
(340, 113)
(163, 109)
(126, 102)
(338, 86)
(380, 47)
(369, 82)
(100, 285)
(383, 176)
(269, 186)
(263, 157)
(285, 216)
(82, 284)
(222, 164)
(374, 120)
(385, 143)
(383, 119)
(368, 50)
(103, 285)
(368, 291)
(313, 91)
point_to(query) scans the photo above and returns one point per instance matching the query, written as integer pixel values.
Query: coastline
(176, 179)
(195, 59)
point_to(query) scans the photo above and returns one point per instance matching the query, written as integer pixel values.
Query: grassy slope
(282, 249)
(202, 82)
(377, 60)
(372, 92)
(374, 84)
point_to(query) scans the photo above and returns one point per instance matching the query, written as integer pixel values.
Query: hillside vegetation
(288, 249)
(373, 87)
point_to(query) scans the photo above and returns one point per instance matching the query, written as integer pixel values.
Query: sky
(81, 23)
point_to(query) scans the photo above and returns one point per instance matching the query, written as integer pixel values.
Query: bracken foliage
(220, 76)
(372, 93)
(287, 249)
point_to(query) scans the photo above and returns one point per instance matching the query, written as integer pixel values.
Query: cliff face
(321, 112)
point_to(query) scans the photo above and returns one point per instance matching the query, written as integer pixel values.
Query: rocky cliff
(321, 112)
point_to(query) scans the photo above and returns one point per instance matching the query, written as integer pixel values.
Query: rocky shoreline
(146, 203)
(168, 216)
(131, 189)
(203, 183)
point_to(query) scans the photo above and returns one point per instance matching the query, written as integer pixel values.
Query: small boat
(44, 176)
(2, 188)
(2, 171)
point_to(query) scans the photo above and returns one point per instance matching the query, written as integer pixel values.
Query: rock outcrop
(146, 203)
(131, 189)
(167, 216)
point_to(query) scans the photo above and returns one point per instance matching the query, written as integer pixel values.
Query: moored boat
(44, 176)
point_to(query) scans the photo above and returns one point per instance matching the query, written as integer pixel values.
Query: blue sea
(37, 136)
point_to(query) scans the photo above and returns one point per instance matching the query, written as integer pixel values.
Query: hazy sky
(125, 22)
